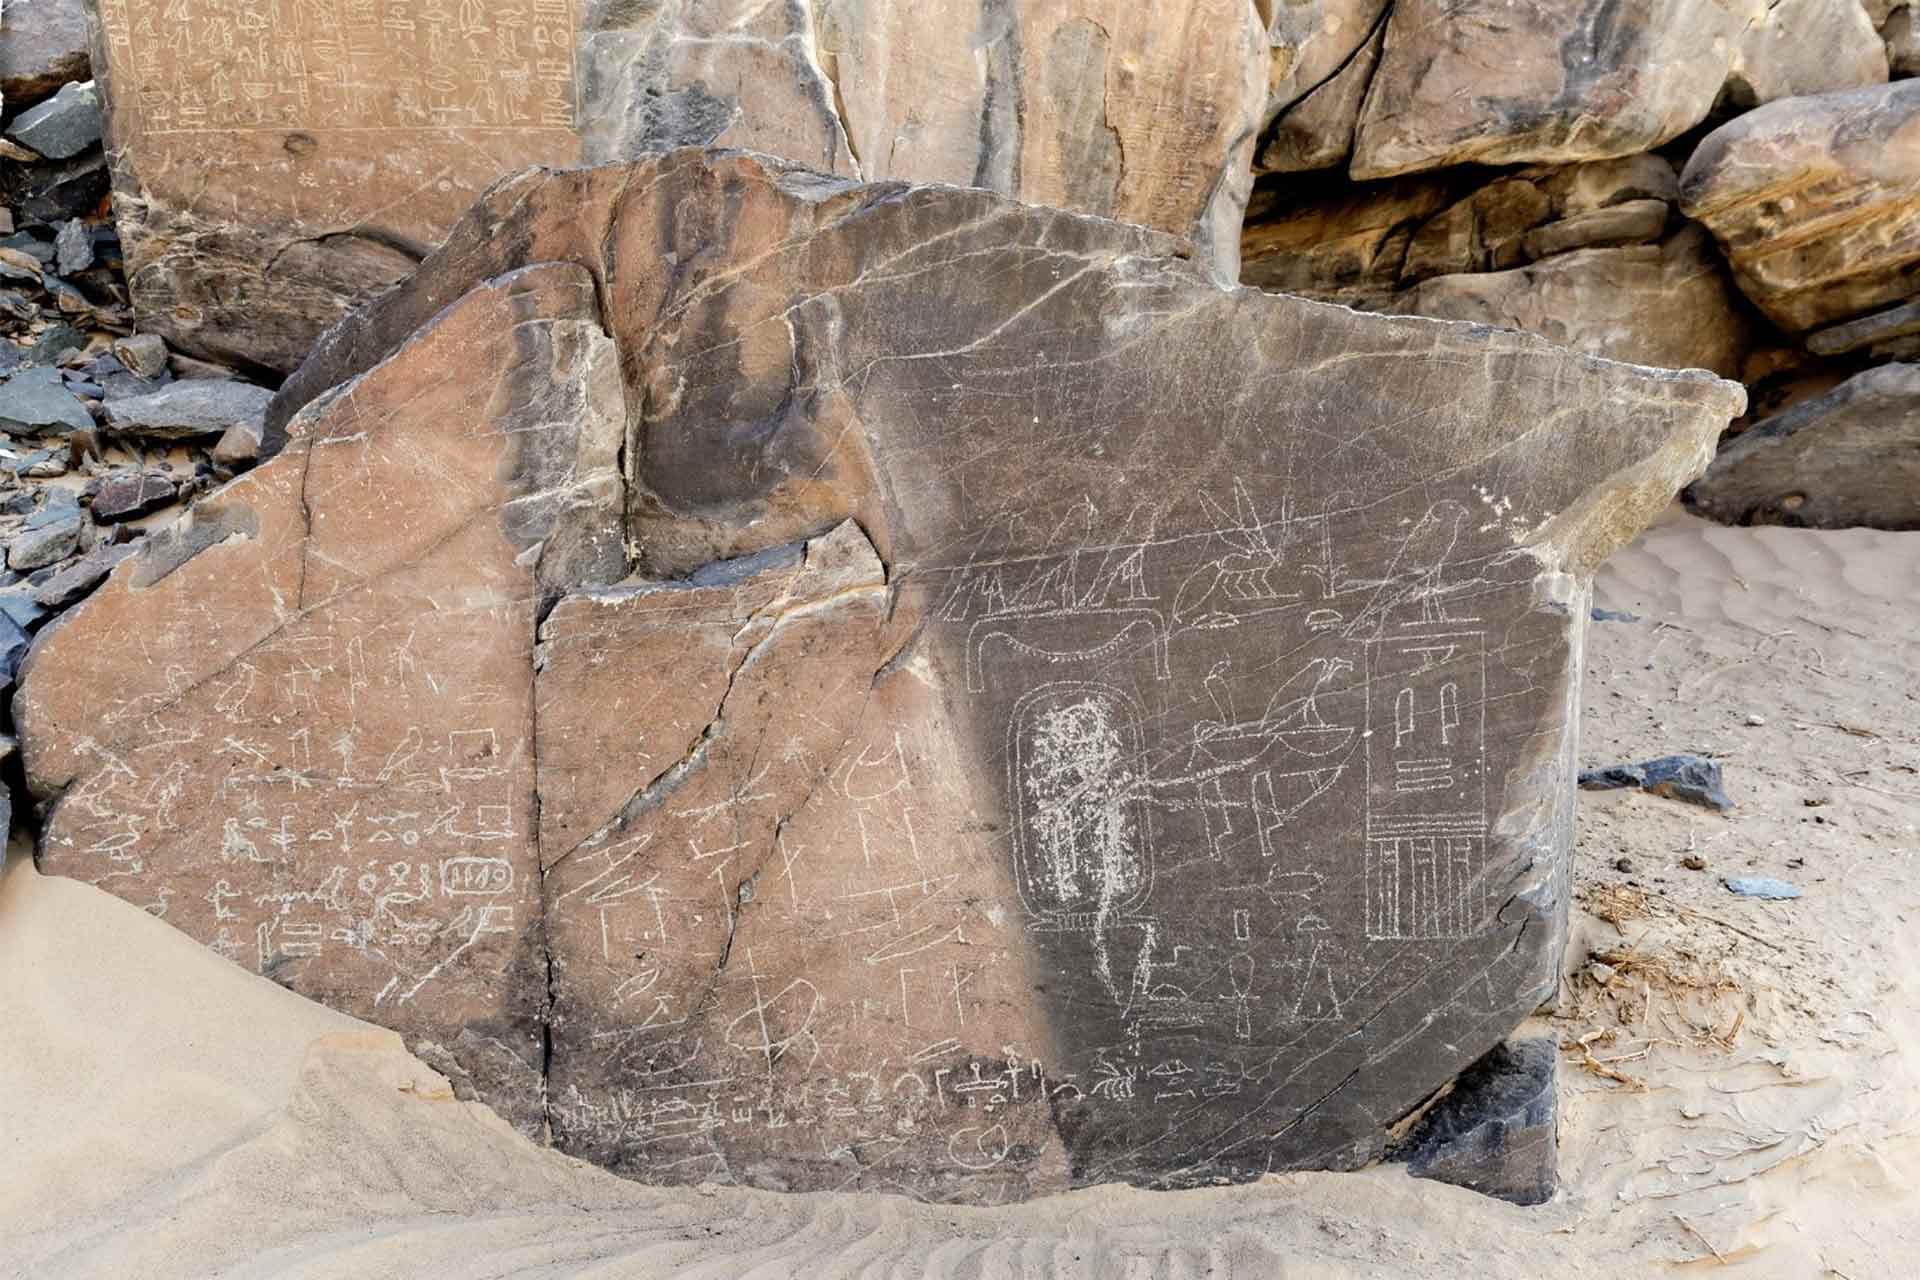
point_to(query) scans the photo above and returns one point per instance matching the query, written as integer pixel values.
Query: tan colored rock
(1316, 132)
(969, 791)
(1816, 202)
(1335, 241)
(1801, 47)
(318, 754)
(257, 206)
(1901, 33)
(1848, 458)
(1132, 112)
(723, 73)
(1489, 82)
(1635, 222)
(1323, 56)
(1668, 305)
(1355, 244)
(1310, 41)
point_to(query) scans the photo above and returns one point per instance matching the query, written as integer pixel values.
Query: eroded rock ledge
(819, 685)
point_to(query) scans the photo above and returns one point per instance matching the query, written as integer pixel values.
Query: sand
(1739, 1092)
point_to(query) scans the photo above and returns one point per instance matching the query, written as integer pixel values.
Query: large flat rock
(1020, 715)
(272, 172)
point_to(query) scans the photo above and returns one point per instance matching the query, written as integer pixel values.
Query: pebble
(1623, 864)
(1755, 720)
(1763, 887)
(1694, 862)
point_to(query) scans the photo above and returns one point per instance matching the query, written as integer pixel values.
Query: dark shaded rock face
(824, 685)
(1848, 458)
(1498, 1131)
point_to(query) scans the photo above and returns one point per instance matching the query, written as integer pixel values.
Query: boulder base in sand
(972, 708)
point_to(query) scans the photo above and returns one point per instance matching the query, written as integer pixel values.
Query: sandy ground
(1739, 1092)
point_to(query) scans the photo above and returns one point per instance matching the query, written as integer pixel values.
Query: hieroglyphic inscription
(316, 65)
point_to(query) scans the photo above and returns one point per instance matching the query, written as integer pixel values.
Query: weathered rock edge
(830, 400)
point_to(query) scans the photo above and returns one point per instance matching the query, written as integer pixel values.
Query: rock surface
(939, 760)
(1802, 47)
(63, 126)
(1492, 82)
(1688, 778)
(1498, 1131)
(1359, 244)
(253, 223)
(1669, 305)
(355, 826)
(1816, 202)
(1848, 458)
(43, 45)
(36, 401)
(184, 410)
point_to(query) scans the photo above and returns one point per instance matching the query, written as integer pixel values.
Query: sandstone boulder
(1494, 82)
(1019, 716)
(1849, 457)
(1668, 305)
(1801, 47)
(1324, 55)
(270, 174)
(1816, 202)
(1901, 32)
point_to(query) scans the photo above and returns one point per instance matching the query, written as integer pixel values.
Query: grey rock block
(1846, 459)
(1688, 778)
(130, 496)
(35, 401)
(50, 543)
(73, 247)
(64, 125)
(73, 581)
(1498, 1131)
(184, 410)
(142, 354)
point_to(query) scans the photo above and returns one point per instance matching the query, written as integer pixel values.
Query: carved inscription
(785, 689)
(315, 65)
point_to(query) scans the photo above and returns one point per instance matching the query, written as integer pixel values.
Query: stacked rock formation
(1684, 183)
(746, 722)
